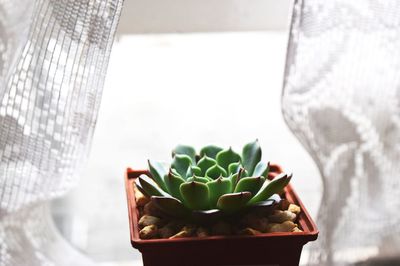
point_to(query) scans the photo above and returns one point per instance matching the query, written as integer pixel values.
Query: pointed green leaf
(226, 157)
(210, 150)
(158, 170)
(251, 184)
(251, 155)
(198, 179)
(233, 201)
(150, 187)
(173, 182)
(170, 206)
(187, 150)
(217, 188)
(234, 168)
(205, 163)
(195, 195)
(261, 169)
(216, 171)
(181, 164)
(270, 188)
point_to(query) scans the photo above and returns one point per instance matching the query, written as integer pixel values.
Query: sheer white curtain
(341, 98)
(53, 60)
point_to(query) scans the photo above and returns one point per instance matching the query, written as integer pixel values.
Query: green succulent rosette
(214, 183)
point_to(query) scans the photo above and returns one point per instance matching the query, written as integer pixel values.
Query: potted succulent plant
(217, 207)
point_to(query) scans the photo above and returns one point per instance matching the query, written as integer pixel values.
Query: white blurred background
(190, 72)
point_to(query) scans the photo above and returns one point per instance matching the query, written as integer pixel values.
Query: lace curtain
(341, 99)
(53, 60)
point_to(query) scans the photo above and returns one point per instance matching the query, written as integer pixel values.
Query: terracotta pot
(265, 249)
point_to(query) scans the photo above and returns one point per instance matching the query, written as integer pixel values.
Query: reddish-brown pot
(266, 249)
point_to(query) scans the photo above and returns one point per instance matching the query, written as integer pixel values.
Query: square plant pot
(265, 249)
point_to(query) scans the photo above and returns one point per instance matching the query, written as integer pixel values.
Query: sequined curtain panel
(53, 61)
(341, 99)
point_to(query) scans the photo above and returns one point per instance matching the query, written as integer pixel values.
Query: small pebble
(284, 204)
(202, 232)
(296, 229)
(249, 232)
(151, 209)
(141, 199)
(255, 222)
(166, 231)
(189, 228)
(260, 225)
(287, 226)
(294, 208)
(176, 225)
(181, 234)
(149, 220)
(221, 228)
(282, 216)
(148, 232)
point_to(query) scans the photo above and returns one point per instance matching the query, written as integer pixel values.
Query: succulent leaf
(266, 206)
(195, 170)
(205, 163)
(206, 216)
(233, 201)
(172, 170)
(139, 186)
(187, 150)
(198, 179)
(195, 195)
(209, 178)
(217, 188)
(234, 168)
(251, 184)
(216, 171)
(234, 179)
(210, 150)
(270, 188)
(157, 171)
(181, 164)
(265, 203)
(150, 187)
(225, 157)
(261, 169)
(242, 173)
(275, 197)
(171, 206)
(251, 155)
(173, 182)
